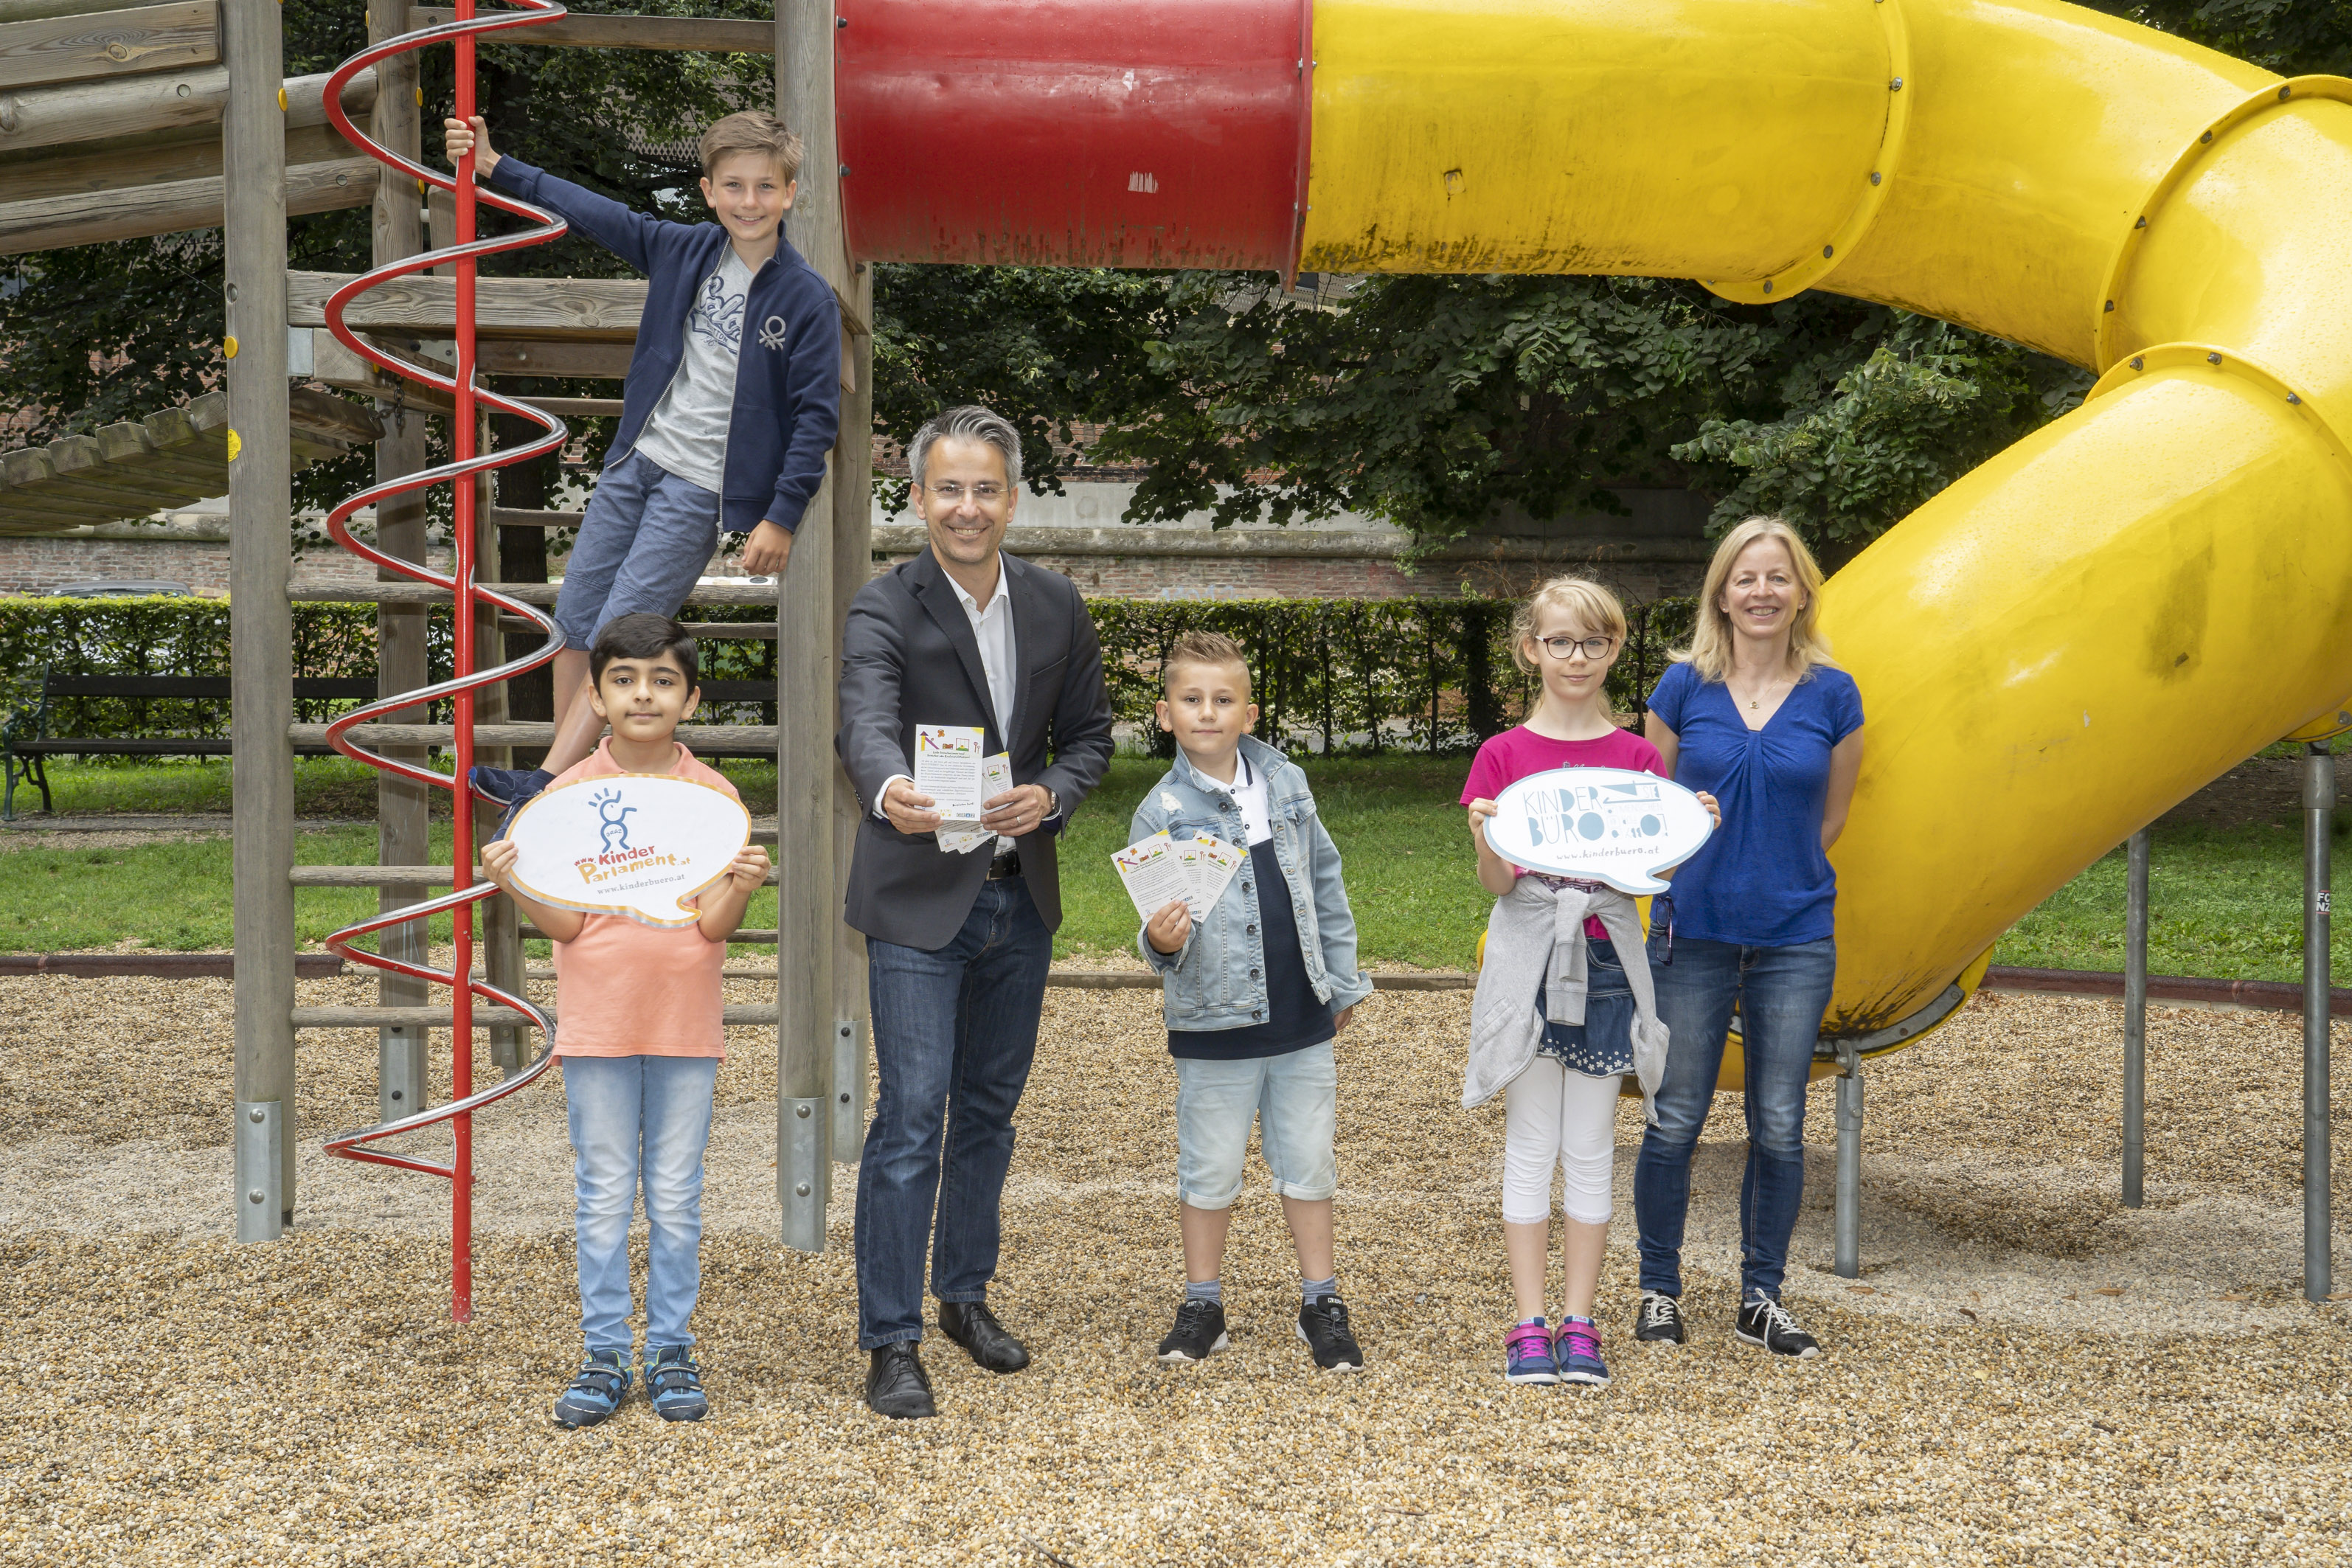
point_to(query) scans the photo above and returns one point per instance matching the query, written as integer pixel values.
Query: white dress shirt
(992, 627)
(1247, 791)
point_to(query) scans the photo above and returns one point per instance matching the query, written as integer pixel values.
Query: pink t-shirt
(627, 990)
(1512, 755)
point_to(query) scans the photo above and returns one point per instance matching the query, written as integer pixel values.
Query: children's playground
(294, 1246)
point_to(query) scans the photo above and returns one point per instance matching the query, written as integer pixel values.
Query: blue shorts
(643, 545)
(1294, 1100)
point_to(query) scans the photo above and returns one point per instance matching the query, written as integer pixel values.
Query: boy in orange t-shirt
(640, 1038)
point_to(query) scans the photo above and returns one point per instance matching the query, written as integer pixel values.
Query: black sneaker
(1199, 1333)
(1764, 1322)
(596, 1390)
(1323, 1324)
(674, 1383)
(1660, 1320)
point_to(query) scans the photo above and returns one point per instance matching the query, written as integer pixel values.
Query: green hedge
(1329, 674)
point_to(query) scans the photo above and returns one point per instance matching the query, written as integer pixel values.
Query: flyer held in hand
(640, 845)
(1601, 824)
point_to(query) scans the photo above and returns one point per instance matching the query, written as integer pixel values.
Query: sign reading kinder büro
(640, 845)
(1603, 825)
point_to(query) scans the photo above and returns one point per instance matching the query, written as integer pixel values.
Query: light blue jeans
(1293, 1097)
(643, 543)
(638, 1122)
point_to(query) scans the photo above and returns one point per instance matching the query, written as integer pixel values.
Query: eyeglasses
(951, 493)
(1569, 648)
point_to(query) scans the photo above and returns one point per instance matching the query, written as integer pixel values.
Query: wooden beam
(30, 10)
(99, 113)
(53, 223)
(603, 32)
(84, 172)
(701, 737)
(515, 310)
(584, 361)
(171, 37)
(261, 630)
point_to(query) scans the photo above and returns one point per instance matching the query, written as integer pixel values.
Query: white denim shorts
(1293, 1097)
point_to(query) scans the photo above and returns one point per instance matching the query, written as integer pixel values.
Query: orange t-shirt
(622, 989)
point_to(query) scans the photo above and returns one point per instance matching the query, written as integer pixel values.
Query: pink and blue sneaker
(1527, 1354)
(1576, 1351)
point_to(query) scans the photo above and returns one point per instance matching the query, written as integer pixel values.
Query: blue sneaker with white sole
(1577, 1350)
(596, 1390)
(1528, 1356)
(513, 788)
(674, 1383)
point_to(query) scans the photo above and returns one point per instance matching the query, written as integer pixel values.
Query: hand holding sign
(641, 845)
(1605, 825)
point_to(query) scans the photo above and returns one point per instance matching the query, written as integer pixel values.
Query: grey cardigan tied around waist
(1536, 935)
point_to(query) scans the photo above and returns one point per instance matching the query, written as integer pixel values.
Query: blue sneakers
(510, 787)
(596, 1390)
(1527, 1354)
(674, 1384)
(1577, 1349)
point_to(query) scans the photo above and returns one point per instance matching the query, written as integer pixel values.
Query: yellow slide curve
(2089, 629)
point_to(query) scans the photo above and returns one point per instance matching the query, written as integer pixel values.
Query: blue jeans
(954, 1032)
(1294, 1101)
(1781, 993)
(642, 546)
(638, 1122)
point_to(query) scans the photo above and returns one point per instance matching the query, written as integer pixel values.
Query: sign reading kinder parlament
(639, 845)
(1604, 824)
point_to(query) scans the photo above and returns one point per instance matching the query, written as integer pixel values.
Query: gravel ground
(2027, 1372)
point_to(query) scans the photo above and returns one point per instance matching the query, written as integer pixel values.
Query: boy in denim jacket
(1253, 995)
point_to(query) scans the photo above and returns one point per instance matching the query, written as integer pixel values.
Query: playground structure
(2056, 649)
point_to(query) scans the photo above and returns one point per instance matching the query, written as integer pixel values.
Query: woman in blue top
(1753, 713)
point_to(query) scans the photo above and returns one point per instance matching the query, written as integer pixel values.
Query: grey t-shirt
(687, 433)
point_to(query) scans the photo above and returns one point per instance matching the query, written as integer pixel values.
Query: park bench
(28, 743)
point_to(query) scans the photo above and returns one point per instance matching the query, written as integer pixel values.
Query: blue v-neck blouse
(1761, 880)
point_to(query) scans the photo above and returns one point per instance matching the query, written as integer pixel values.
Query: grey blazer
(909, 657)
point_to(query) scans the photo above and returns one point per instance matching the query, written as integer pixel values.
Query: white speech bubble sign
(1603, 824)
(638, 845)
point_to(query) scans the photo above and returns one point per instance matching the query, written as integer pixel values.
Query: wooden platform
(170, 460)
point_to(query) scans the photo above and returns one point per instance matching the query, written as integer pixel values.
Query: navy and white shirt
(687, 433)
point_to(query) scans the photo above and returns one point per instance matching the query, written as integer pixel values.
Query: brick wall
(1339, 577)
(38, 565)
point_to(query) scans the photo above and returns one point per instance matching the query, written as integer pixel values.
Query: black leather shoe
(896, 1385)
(971, 1325)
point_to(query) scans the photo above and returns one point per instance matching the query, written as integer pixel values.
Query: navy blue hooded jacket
(787, 381)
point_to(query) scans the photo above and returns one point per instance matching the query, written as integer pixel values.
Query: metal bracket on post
(848, 1089)
(401, 1064)
(803, 1174)
(260, 1195)
(2318, 813)
(1848, 1258)
(2135, 1018)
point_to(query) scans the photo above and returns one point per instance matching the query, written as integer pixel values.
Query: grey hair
(969, 423)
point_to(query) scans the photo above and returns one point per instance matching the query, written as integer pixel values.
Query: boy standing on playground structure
(640, 1039)
(1253, 995)
(732, 400)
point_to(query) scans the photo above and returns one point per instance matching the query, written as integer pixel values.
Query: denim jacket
(1215, 981)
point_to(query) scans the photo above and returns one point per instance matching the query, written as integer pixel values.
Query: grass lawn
(2226, 901)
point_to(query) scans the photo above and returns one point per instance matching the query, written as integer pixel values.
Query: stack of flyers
(962, 837)
(1155, 874)
(1160, 869)
(947, 769)
(1209, 863)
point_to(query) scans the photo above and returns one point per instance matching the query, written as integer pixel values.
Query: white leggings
(1553, 1116)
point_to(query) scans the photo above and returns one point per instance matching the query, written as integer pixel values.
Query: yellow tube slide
(2087, 629)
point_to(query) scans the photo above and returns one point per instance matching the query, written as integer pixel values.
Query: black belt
(1005, 865)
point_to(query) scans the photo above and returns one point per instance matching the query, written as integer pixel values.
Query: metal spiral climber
(466, 681)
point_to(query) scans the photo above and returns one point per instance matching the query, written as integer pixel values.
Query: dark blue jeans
(954, 1033)
(1781, 993)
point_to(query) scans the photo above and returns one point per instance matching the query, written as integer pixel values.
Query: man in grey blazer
(956, 943)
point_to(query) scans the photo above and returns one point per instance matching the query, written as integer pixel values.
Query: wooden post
(853, 564)
(805, 653)
(261, 623)
(403, 824)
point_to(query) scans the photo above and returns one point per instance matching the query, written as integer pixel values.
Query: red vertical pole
(461, 920)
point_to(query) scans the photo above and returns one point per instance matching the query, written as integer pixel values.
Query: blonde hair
(1205, 647)
(753, 132)
(1709, 652)
(1588, 604)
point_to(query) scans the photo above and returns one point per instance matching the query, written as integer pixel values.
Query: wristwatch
(1052, 804)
